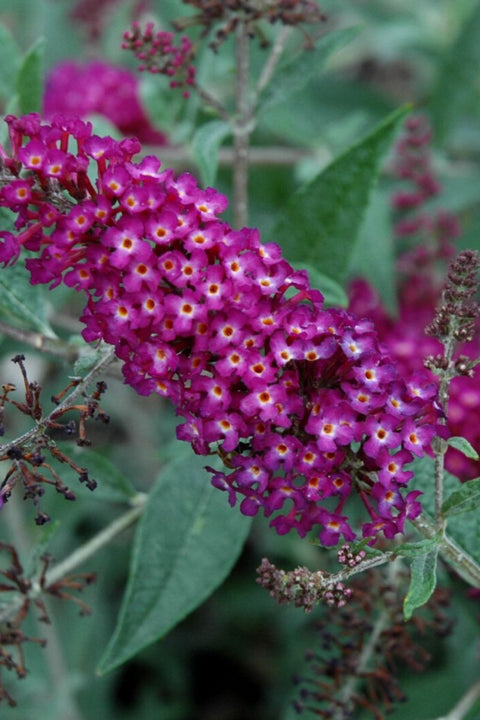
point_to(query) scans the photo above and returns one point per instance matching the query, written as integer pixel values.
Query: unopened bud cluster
(158, 54)
(456, 317)
(302, 587)
(349, 558)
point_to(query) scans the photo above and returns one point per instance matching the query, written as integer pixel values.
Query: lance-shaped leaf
(9, 62)
(463, 500)
(294, 74)
(22, 301)
(417, 547)
(30, 79)
(462, 444)
(423, 581)
(186, 543)
(320, 223)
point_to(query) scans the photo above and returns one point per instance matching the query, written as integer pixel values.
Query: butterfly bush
(301, 403)
(82, 89)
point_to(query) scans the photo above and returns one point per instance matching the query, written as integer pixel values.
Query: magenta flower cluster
(300, 402)
(78, 89)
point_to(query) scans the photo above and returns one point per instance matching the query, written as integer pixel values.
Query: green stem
(271, 63)
(104, 537)
(439, 445)
(465, 704)
(382, 622)
(49, 345)
(242, 128)
(439, 448)
(368, 564)
(211, 101)
(270, 155)
(455, 555)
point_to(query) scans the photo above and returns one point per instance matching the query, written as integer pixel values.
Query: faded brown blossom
(27, 457)
(17, 584)
(362, 648)
(227, 15)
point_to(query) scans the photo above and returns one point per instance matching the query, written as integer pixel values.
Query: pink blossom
(287, 393)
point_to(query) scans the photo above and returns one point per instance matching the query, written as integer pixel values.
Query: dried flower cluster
(364, 646)
(28, 456)
(300, 402)
(227, 15)
(11, 633)
(100, 88)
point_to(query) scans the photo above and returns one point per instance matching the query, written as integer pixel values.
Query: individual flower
(286, 393)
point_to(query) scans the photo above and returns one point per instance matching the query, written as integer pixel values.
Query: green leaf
(333, 293)
(373, 256)
(163, 107)
(206, 143)
(463, 500)
(320, 223)
(417, 548)
(30, 79)
(294, 75)
(462, 444)
(89, 355)
(11, 108)
(22, 301)
(187, 542)
(9, 63)
(456, 90)
(423, 581)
